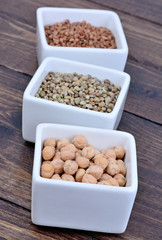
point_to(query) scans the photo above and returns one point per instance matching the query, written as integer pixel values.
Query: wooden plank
(31, 6)
(144, 97)
(144, 42)
(145, 93)
(16, 160)
(17, 156)
(12, 232)
(12, 86)
(16, 224)
(145, 86)
(15, 220)
(148, 141)
(18, 52)
(16, 169)
(144, 45)
(15, 183)
(146, 9)
(139, 228)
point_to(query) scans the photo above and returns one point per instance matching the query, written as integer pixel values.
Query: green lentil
(79, 90)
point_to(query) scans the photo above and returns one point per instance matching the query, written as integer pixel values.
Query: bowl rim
(27, 93)
(37, 179)
(114, 15)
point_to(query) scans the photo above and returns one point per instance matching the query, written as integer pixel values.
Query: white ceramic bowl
(80, 205)
(36, 110)
(112, 58)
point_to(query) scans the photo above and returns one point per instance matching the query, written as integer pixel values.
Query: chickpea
(47, 169)
(96, 152)
(77, 155)
(62, 143)
(91, 163)
(70, 167)
(56, 177)
(44, 162)
(97, 155)
(79, 152)
(67, 177)
(109, 153)
(112, 168)
(80, 141)
(104, 182)
(79, 174)
(101, 161)
(57, 155)
(67, 153)
(113, 182)
(120, 152)
(82, 162)
(88, 178)
(88, 152)
(105, 176)
(120, 179)
(72, 147)
(58, 165)
(122, 167)
(95, 171)
(50, 142)
(48, 153)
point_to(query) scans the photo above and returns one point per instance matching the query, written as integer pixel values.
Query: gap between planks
(124, 12)
(30, 76)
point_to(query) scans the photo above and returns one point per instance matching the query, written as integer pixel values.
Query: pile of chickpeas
(78, 161)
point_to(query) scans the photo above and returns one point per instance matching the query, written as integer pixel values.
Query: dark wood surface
(142, 23)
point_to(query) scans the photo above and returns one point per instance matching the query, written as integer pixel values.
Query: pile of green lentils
(79, 90)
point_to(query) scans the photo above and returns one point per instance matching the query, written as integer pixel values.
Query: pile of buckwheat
(79, 34)
(78, 161)
(79, 90)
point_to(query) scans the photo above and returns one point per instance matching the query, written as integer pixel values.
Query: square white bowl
(37, 110)
(80, 205)
(112, 58)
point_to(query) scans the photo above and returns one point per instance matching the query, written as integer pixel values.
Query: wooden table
(142, 23)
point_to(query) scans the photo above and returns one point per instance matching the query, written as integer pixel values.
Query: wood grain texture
(17, 159)
(22, 27)
(16, 219)
(145, 9)
(142, 116)
(145, 68)
(145, 88)
(145, 93)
